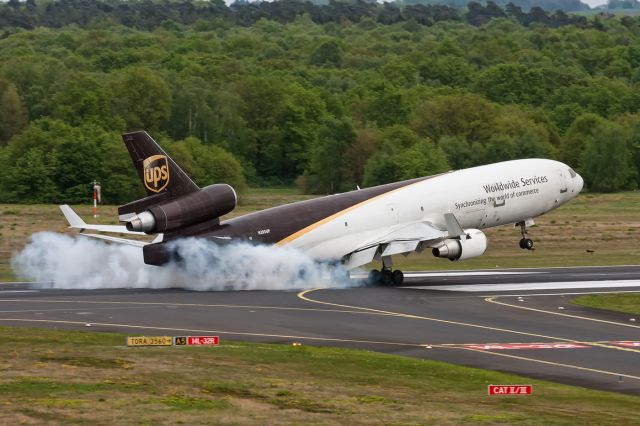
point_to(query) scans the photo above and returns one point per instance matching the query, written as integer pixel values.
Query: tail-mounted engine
(472, 244)
(205, 204)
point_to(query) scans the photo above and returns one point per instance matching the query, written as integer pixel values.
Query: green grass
(593, 229)
(627, 303)
(253, 383)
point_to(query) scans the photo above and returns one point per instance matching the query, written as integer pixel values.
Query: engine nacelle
(208, 203)
(472, 244)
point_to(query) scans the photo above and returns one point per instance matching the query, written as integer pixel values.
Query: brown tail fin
(160, 175)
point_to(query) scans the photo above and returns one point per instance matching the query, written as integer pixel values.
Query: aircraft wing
(402, 240)
(76, 222)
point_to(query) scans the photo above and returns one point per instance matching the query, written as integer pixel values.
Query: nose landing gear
(525, 243)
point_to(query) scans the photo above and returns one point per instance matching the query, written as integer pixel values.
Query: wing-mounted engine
(204, 205)
(472, 243)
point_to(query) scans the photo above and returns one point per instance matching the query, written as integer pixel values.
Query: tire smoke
(75, 262)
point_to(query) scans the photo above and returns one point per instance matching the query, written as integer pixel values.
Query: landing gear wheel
(526, 244)
(375, 277)
(397, 277)
(387, 277)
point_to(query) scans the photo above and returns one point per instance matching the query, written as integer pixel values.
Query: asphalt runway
(518, 321)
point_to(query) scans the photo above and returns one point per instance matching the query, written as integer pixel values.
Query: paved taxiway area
(517, 321)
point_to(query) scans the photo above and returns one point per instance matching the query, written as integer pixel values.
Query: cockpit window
(572, 173)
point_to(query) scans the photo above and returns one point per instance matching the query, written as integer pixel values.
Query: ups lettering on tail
(156, 173)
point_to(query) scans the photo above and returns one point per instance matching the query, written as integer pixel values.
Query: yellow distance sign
(150, 341)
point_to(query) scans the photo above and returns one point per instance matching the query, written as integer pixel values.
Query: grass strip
(74, 377)
(627, 303)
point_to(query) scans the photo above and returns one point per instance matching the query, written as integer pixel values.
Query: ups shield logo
(156, 173)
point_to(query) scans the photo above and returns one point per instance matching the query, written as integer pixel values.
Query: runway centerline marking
(491, 300)
(302, 295)
(200, 305)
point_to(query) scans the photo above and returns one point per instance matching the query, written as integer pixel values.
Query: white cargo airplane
(444, 213)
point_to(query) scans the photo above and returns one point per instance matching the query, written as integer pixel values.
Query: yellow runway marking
(302, 295)
(237, 333)
(197, 305)
(491, 300)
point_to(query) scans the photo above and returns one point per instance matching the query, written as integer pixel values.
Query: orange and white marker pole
(96, 197)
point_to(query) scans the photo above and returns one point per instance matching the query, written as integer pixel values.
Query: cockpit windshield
(572, 173)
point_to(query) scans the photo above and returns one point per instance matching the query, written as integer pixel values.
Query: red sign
(510, 389)
(507, 346)
(203, 340)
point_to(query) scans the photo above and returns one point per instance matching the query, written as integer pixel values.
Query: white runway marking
(455, 274)
(18, 291)
(465, 274)
(532, 286)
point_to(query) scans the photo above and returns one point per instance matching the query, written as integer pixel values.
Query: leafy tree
(67, 159)
(142, 98)
(466, 115)
(13, 117)
(512, 83)
(574, 141)
(422, 159)
(327, 54)
(84, 100)
(207, 164)
(403, 155)
(326, 170)
(606, 162)
(358, 153)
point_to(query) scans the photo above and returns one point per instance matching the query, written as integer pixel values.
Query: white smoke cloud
(75, 262)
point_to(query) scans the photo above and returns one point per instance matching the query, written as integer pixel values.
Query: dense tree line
(326, 104)
(149, 15)
(548, 5)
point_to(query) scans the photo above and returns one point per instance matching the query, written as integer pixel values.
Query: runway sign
(150, 341)
(510, 389)
(180, 341)
(203, 340)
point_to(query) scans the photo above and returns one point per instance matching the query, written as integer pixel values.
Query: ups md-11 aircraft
(444, 213)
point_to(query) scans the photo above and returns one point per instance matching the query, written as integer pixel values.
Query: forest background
(324, 96)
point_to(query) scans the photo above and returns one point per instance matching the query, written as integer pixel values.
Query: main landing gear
(386, 276)
(525, 243)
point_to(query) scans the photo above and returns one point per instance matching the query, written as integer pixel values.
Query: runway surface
(518, 321)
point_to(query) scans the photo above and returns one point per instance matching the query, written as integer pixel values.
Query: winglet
(72, 217)
(453, 226)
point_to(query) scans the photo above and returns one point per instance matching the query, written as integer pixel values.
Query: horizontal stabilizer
(125, 241)
(76, 222)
